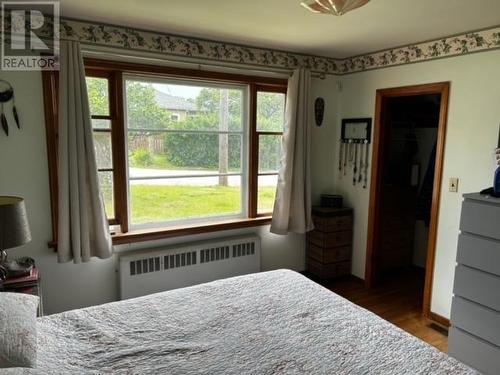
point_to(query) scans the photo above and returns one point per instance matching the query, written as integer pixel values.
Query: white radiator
(188, 264)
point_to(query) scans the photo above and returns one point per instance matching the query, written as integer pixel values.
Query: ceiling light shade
(335, 7)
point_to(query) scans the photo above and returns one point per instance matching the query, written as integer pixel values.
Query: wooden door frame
(442, 88)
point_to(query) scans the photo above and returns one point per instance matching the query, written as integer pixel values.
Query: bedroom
(470, 64)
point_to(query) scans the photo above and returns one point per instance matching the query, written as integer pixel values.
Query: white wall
(324, 138)
(24, 172)
(473, 118)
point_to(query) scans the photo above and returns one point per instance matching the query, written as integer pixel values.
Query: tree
(205, 150)
(270, 111)
(209, 103)
(97, 89)
(195, 150)
(143, 113)
(143, 110)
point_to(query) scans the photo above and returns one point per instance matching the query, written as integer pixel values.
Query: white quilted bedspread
(275, 322)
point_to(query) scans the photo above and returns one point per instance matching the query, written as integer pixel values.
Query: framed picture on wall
(356, 130)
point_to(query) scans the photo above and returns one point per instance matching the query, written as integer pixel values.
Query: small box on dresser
(329, 245)
(475, 313)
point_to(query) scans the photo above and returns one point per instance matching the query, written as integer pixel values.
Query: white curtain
(83, 227)
(292, 207)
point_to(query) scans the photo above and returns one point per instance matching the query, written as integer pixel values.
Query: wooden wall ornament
(6, 95)
(319, 111)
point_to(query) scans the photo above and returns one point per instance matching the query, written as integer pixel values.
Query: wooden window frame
(254, 146)
(117, 135)
(113, 72)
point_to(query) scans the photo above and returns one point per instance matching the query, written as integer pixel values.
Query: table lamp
(14, 228)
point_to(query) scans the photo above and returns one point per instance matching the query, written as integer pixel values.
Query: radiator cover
(166, 268)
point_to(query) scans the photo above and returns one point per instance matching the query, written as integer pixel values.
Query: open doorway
(408, 150)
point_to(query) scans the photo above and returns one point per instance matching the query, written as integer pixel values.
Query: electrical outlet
(453, 185)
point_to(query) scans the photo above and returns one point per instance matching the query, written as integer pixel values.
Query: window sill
(178, 231)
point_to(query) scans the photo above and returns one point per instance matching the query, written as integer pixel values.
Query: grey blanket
(275, 322)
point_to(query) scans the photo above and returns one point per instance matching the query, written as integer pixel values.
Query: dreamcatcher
(6, 95)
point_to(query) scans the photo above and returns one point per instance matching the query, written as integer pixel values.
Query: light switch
(453, 185)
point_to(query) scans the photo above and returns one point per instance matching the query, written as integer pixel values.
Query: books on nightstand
(22, 284)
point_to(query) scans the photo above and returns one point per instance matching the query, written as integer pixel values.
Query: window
(180, 149)
(269, 131)
(186, 170)
(104, 87)
(98, 92)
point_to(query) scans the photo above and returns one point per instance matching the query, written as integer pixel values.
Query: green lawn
(158, 161)
(150, 203)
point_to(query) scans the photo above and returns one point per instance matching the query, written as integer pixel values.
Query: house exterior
(178, 107)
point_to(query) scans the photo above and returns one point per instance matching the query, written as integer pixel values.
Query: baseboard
(439, 320)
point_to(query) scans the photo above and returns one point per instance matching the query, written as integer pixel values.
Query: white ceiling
(285, 25)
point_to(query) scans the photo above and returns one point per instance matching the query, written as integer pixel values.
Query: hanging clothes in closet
(424, 199)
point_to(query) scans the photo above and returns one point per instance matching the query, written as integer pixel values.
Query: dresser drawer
(329, 255)
(479, 252)
(330, 270)
(476, 319)
(477, 286)
(480, 218)
(334, 239)
(473, 351)
(333, 224)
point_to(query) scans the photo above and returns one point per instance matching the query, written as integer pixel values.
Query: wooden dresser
(329, 245)
(475, 312)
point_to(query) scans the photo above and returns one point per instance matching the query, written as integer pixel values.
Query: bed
(275, 322)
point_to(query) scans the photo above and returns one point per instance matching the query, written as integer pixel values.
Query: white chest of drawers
(475, 313)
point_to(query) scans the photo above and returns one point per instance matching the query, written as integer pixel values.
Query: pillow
(18, 327)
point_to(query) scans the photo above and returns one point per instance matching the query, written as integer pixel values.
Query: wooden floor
(397, 299)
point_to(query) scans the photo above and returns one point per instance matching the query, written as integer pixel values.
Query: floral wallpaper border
(446, 47)
(121, 37)
(180, 46)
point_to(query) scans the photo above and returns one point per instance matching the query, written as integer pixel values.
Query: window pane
(266, 193)
(106, 183)
(101, 124)
(270, 111)
(167, 154)
(102, 145)
(269, 153)
(180, 128)
(162, 200)
(183, 107)
(98, 93)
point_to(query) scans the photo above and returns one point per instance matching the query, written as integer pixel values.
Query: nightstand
(329, 245)
(27, 284)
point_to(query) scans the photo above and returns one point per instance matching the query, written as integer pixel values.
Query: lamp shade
(335, 7)
(14, 227)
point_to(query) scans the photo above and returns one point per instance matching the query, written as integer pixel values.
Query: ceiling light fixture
(335, 7)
